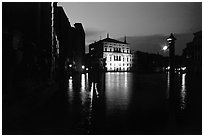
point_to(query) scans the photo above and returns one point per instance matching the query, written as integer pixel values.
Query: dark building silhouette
(62, 29)
(193, 54)
(26, 42)
(38, 43)
(79, 52)
(71, 41)
(146, 62)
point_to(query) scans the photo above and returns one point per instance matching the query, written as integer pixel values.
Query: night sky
(146, 24)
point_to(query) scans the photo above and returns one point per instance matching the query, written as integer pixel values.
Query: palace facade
(117, 54)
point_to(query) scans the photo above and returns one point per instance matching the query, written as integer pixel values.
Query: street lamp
(171, 41)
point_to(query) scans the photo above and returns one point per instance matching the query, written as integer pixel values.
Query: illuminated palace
(117, 54)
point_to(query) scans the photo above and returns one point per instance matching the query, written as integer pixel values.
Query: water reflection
(70, 89)
(83, 82)
(80, 102)
(117, 92)
(181, 89)
(168, 84)
(183, 92)
(116, 95)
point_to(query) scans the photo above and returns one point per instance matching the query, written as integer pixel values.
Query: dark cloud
(154, 43)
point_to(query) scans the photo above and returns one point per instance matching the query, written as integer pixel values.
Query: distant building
(146, 62)
(117, 54)
(193, 54)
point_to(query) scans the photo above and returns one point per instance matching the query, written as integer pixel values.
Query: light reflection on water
(117, 90)
(168, 84)
(183, 92)
(80, 100)
(83, 83)
(70, 90)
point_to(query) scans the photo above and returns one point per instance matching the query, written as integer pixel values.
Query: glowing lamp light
(183, 68)
(87, 69)
(165, 48)
(82, 66)
(70, 65)
(169, 39)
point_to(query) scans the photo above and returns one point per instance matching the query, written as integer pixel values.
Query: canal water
(127, 103)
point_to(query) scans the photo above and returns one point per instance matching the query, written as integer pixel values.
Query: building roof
(108, 40)
(113, 41)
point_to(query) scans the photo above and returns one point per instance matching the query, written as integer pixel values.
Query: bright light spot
(82, 66)
(70, 65)
(168, 68)
(183, 68)
(165, 48)
(183, 92)
(83, 82)
(169, 39)
(87, 69)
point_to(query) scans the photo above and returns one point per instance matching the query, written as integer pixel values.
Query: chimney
(107, 35)
(125, 40)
